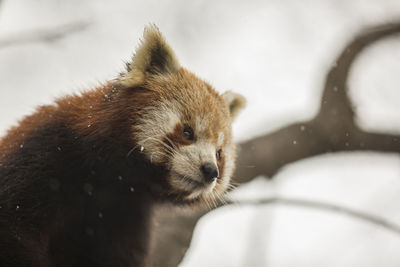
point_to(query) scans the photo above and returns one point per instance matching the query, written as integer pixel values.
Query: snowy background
(276, 53)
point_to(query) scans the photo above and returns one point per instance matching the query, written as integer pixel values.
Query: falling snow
(88, 188)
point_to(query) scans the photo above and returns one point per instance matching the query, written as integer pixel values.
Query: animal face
(186, 126)
(188, 130)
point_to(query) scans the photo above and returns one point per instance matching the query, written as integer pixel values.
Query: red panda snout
(192, 166)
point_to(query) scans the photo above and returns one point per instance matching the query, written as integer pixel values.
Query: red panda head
(185, 125)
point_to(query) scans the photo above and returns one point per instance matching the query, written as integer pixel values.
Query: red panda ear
(153, 57)
(235, 102)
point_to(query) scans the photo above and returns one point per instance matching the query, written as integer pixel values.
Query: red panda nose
(210, 172)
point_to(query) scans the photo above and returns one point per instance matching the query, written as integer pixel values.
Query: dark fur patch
(158, 60)
(177, 138)
(70, 197)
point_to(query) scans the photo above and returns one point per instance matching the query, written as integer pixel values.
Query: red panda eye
(188, 133)
(218, 155)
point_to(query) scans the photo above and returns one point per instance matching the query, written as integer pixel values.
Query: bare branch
(332, 130)
(43, 35)
(323, 206)
(335, 101)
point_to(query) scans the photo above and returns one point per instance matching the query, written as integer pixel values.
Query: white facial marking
(206, 152)
(220, 139)
(153, 127)
(229, 164)
(195, 194)
(200, 125)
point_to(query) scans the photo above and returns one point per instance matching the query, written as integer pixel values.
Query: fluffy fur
(79, 179)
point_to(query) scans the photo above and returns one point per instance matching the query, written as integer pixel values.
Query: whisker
(130, 151)
(170, 141)
(220, 197)
(158, 141)
(231, 187)
(215, 201)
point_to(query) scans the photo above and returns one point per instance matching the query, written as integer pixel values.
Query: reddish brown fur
(177, 138)
(200, 98)
(16, 135)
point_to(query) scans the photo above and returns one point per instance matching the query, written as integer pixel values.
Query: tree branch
(323, 206)
(332, 130)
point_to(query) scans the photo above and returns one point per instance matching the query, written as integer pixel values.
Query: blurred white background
(276, 53)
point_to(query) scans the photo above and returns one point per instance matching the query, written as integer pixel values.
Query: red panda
(79, 178)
